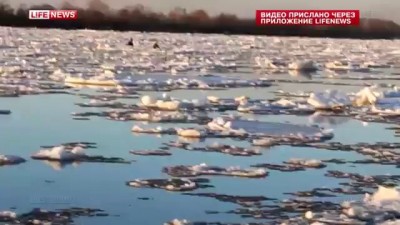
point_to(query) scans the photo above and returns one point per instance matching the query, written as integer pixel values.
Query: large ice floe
(159, 116)
(60, 153)
(205, 170)
(229, 125)
(166, 103)
(221, 148)
(157, 130)
(43, 217)
(281, 106)
(154, 81)
(382, 207)
(191, 133)
(380, 102)
(162, 104)
(174, 184)
(330, 99)
(366, 96)
(69, 154)
(339, 65)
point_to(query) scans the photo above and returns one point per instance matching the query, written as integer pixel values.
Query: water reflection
(57, 165)
(319, 118)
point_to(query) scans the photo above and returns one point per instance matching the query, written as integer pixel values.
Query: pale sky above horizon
(385, 9)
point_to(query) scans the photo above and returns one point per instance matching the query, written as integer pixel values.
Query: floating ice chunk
(317, 223)
(244, 108)
(339, 65)
(10, 160)
(312, 163)
(366, 97)
(168, 105)
(285, 103)
(260, 128)
(205, 170)
(393, 110)
(177, 222)
(264, 142)
(216, 125)
(157, 130)
(8, 214)
(281, 104)
(58, 75)
(309, 215)
(174, 184)
(163, 103)
(267, 64)
(159, 116)
(329, 99)
(148, 100)
(241, 99)
(98, 81)
(173, 71)
(192, 133)
(383, 195)
(354, 211)
(60, 153)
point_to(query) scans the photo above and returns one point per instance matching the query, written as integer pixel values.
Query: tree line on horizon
(99, 16)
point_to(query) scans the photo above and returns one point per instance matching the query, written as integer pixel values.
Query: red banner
(308, 17)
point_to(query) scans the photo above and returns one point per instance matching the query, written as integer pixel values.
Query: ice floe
(191, 133)
(174, 184)
(330, 99)
(204, 170)
(64, 153)
(10, 160)
(157, 130)
(41, 216)
(339, 65)
(267, 129)
(217, 147)
(366, 96)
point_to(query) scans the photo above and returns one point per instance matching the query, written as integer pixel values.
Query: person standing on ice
(156, 46)
(130, 42)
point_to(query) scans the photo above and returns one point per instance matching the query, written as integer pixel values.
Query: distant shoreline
(100, 17)
(282, 33)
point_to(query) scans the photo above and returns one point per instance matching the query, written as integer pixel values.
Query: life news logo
(53, 14)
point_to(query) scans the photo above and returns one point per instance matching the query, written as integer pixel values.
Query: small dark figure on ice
(156, 46)
(130, 42)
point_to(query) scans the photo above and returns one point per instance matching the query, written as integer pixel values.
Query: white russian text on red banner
(308, 17)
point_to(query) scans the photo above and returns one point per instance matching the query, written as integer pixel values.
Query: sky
(384, 9)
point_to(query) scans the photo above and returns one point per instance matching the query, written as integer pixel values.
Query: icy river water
(38, 120)
(45, 120)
